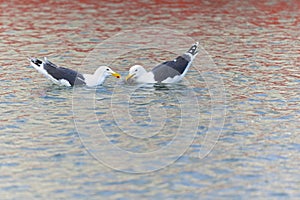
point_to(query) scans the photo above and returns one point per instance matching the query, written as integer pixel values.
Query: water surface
(255, 49)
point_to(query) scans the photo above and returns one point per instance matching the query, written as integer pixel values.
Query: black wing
(59, 73)
(171, 68)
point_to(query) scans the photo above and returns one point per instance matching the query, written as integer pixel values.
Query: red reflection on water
(136, 13)
(59, 25)
(275, 12)
(270, 7)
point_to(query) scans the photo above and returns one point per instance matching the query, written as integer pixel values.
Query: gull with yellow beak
(68, 77)
(167, 72)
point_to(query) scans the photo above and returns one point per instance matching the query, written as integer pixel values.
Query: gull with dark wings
(167, 72)
(68, 77)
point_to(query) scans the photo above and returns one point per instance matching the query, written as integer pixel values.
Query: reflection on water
(255, 45)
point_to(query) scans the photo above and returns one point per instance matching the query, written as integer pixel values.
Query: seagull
(167, 72)
(68, 77)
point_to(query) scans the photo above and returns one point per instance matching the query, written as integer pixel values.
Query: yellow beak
(129, 76)
(115, 74)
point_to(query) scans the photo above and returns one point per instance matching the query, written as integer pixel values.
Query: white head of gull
(99, 76)
(138, 74)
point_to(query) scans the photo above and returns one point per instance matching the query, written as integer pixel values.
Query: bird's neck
(94, 79)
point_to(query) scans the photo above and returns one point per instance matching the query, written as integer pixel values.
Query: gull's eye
(107, 69)
(135, 70)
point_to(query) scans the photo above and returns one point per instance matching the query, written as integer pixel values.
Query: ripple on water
(257, 153)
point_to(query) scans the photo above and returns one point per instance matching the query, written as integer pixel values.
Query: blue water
(229, 130)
